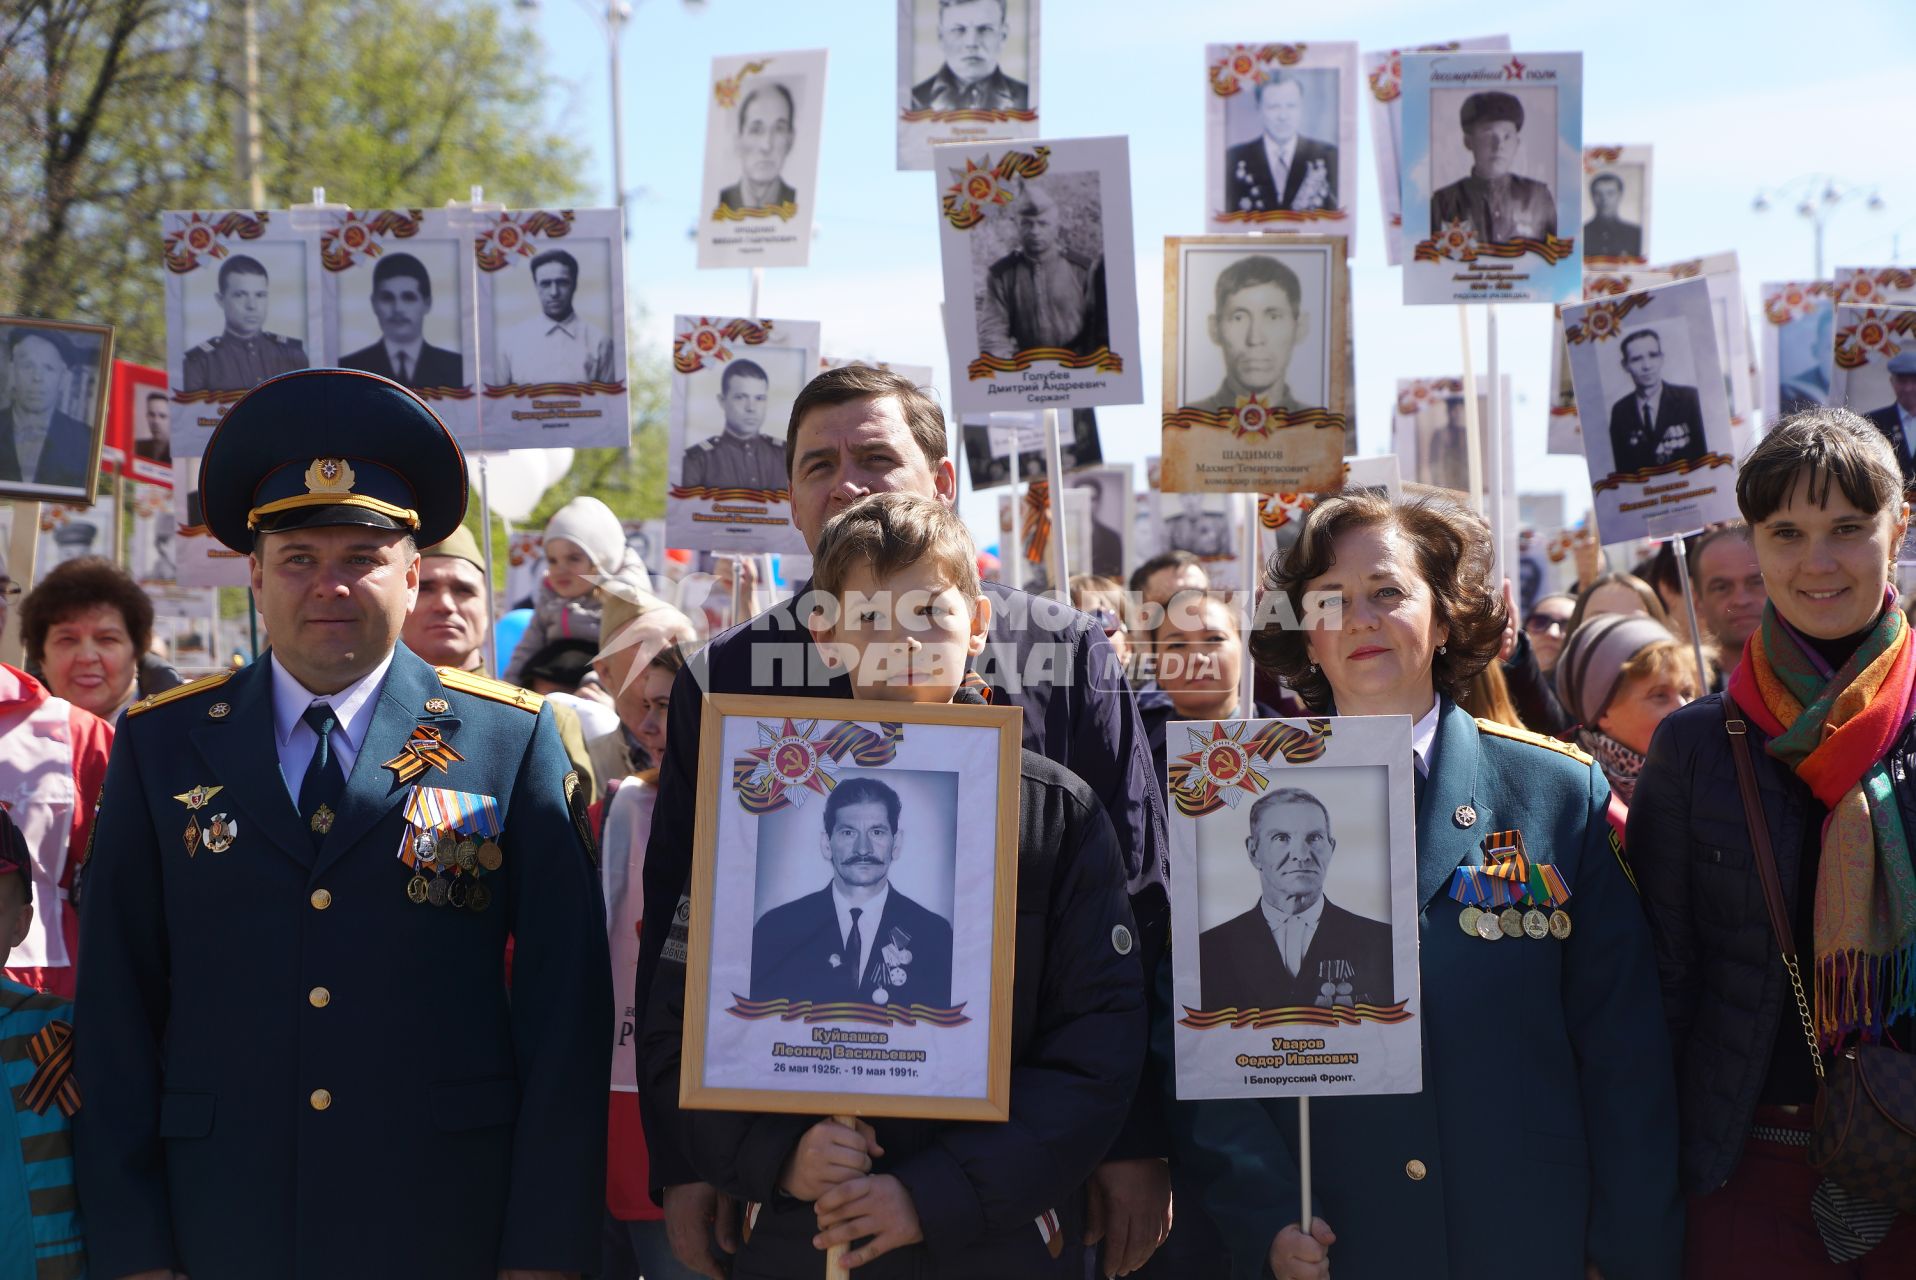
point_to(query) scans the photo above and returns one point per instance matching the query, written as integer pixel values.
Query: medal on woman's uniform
(1559, 924)
(1510, 920)
(1535, 924)
(1487, 927)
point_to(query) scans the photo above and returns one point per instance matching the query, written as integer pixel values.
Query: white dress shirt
(295, 739)
(1293, 932)
(869, 914)
(1423, 736)
(568, 350)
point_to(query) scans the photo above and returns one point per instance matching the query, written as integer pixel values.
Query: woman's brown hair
(1828, 446)
(1652, 603)
(75, 587)
(1451, 548)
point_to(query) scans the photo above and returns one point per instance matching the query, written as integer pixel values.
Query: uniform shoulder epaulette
(1537, 740)
(179, 691)
(486, 687)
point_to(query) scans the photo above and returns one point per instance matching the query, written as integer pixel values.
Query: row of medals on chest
(1512, 923)
(451, 857)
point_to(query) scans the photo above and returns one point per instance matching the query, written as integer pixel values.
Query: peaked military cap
(319, 447)
(1490, 107)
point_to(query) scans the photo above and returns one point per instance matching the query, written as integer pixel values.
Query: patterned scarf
(1834, 730)
(1620, 764)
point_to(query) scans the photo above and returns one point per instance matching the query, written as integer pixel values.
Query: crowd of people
(1641, 1098)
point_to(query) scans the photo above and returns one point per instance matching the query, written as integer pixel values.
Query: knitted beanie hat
(590, 525)
(1593, 659)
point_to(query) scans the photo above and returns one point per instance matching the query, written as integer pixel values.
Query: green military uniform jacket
(1225, 397)
(1499, 211)
(231, 363)
(728, 461)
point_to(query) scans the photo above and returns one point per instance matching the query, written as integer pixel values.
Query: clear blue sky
(1733, 97)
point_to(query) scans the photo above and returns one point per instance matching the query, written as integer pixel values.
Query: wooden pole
(1473, 447)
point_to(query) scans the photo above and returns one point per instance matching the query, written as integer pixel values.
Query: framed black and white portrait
(1281, 137)
(967, 69)
(993, 440)
(1110, 515)
(1294, 907)
(874, 853)
(54, 377)
(762, 124)
(733, 383)
(1616, 206)
(1256, 389)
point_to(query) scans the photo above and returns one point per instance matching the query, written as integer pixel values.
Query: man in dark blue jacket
(858, 430)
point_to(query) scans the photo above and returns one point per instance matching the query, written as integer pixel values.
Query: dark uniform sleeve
(194, 375)
(1072, 1085)
(562, 1020)
(1531, 691)
(1624, 1072)
(120, 1015)
(692, 467)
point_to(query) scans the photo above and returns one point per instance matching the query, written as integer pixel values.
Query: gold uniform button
(1415, 1170)
(321, 1099)
(319, 997)
(321, 899)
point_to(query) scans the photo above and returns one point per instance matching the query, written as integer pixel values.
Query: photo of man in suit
(402, 298)
(858, 938)
(1897, 420)
(1606, 235)
(1280, 168)
(1294, 946)
(244, 354)
(156, 442)
(972, 35)
(1659, 421)
(1042, 294)
(558, 345)
(1257, 320)
(1107, 508)
(1495, 203)
(765, 123)
(39, 442)
(741, 456)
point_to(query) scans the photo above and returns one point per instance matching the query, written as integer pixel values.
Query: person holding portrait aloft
(1545, 998)
(1820, 707)
(1498, 206)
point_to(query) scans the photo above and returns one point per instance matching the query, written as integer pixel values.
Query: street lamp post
(1818, 197)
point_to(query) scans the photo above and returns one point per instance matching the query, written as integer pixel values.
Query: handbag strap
(1758, 823)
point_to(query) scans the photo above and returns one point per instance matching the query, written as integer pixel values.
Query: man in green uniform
(245, 355)
(1498, 205)
(741, 456)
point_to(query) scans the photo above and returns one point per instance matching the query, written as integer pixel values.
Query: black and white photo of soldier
(767, 118)
(1294, 946)
(1256, 322)
(41, 443)
(1658, 421)
(153, 434)
(1607, 235)
(1196, 528)
(741, 455)
(1043, 293)
(1281, 168)
(557, 345)
(245, 353)
(1498, 204)
(1107, 515)
(858, 938)
(971, 35)
(401, 300)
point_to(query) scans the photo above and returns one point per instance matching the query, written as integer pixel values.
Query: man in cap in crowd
(1498, 205)
(972, 35)
(1041, 294)
(39, 442)
(244, 354)
(296, 917)
(1897, 420)
(741, 456)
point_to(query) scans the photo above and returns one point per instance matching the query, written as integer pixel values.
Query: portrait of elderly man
(741, 456)
(1497, 204)
(244, 354)
(858, 938)
(1280, 168)
(1042, 294)
(1897, 420)
(401, 300)
(972, 35)
(765, 122)
(40, 443)
(154, 442)
(1607, 235)
(1256, 321)
(558, 345)
(1294, 946)
(1658, 421)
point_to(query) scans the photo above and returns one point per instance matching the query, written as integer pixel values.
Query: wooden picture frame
(780, 760)
(69, 369)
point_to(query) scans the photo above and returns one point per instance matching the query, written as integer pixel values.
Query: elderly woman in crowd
(1621, 674)
(1823, 696)
(86, 629)
(1543, 1141)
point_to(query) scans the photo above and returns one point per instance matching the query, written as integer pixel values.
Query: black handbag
(1863, 1130)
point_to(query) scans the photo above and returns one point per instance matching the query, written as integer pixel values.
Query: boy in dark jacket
(925, 1199)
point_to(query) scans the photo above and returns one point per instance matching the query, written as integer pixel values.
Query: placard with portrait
(1874, 370)
(53, 408)
(1281, 137)
(1616, 207)
(1294, 909)
(1565, 433)
(140, 423)
(1799, 345)
(1732, 322)
(1281, 515)
(763, 117)
(992, 440)
(967, 71)
(1492, 168)
(1256, 392)
(1038, 545)
(200, 559)
(909, 810)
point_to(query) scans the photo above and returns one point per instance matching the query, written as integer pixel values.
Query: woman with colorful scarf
(1826, 687)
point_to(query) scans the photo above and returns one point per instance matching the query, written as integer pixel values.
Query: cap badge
(329, 475)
